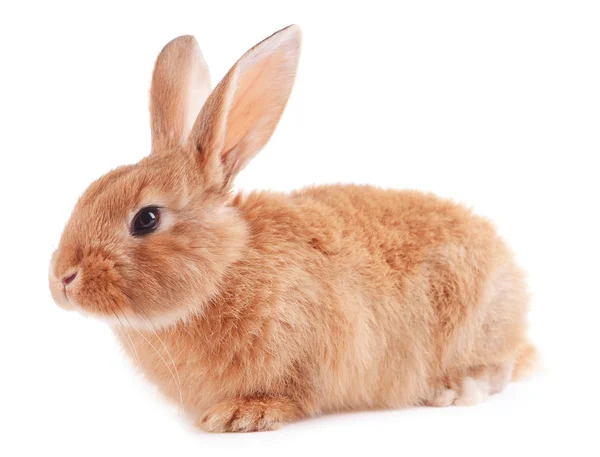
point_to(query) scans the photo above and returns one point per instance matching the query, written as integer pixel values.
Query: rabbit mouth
(60, 295)
(118, 309)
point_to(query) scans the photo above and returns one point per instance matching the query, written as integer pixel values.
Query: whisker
(130, 341)
(147, 318)
(175, 377)
(165, 362)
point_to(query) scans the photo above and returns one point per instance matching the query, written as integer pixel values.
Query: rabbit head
(150, 243)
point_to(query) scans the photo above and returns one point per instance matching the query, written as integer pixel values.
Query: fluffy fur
(253, 311)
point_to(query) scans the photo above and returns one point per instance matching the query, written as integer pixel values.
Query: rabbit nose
(69, 279)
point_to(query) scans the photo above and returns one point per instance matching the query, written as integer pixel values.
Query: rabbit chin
(131, 320)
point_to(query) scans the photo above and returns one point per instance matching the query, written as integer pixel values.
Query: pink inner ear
(242, 112)
(197, 91)
(257, 104)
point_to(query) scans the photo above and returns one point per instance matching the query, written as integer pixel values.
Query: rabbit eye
(145, 221)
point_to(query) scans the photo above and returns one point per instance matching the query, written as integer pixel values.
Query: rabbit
(253, 310)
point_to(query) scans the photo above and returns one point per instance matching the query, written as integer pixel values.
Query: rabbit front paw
(249, 415)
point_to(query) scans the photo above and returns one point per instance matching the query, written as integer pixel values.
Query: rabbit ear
(180, 86)
(241, 114)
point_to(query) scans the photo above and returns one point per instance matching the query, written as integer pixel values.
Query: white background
(495, 104)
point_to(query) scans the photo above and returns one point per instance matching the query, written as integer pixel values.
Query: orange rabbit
(256, 310)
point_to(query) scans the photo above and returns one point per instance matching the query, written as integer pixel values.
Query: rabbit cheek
(99, 292)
